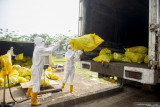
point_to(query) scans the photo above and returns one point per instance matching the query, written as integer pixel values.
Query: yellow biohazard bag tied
(137, 49)
(6, 65)
(19, 56)
(47, 82)
(105, 51)
(135, 57)
(86, 42)
(52, 76)
(103, 58)
(126, 59)
(146, 59)
(118, 56)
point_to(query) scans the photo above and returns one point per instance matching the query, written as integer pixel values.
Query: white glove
(61, 42)
(80, 52)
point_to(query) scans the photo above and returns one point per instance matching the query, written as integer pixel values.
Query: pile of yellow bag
(17, 76)
(86, 42)
(25, 62)
(137, 54)
(50, 75)
(6, 65)
(19, 56)
(47, 82)
(104, 56)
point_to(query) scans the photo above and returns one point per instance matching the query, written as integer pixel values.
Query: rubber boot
(63, 84)
(71, 88)
(34, 101)
(29, 92)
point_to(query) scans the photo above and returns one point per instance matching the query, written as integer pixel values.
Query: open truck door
(122, 23)
(151, 74)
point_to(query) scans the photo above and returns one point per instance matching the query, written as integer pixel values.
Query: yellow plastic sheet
(146, 59)
(104, 51)
(118, 56)
(19, 56)
(86, 42)
(103, 58)
(6, 65)
(135, 57)
(137, 49)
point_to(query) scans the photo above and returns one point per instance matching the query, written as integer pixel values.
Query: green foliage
(49, 39)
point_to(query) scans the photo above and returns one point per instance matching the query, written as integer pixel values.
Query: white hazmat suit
(39, 54)
(71, 57)
(38, 61)
(11, 51)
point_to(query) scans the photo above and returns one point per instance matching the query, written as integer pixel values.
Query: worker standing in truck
(71, 57)
(11, 51)
(38, 60)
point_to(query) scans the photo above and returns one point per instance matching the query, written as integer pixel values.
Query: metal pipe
(157, 11)
(44, 80)
(4, 89)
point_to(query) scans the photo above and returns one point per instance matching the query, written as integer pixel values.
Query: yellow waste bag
(22, 79)
(117, 56)
(6, 65)
(86, 42)
(19, 56)
(1, 81)
(15, 72)
(103, 58)
(104, 51)
(126, 59)
(135, 57)
(49, 69)
(27, 78)
(47, 82)
(137, 49)
(13, 80)
(53, 62)
(52, 76)
(146, 59)
(25, 72)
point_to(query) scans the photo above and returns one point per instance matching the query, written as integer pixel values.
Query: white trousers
(35, 81)
(67, 74)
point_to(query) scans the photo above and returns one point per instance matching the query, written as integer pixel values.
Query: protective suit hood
(38, 41)
(39, 44)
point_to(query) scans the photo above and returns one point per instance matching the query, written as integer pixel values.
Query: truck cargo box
(122, 24)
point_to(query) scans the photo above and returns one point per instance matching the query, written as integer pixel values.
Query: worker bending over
(39, 54)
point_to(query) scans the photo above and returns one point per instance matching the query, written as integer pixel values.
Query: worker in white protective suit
(11, 51)
(38, 60)
(70, 57)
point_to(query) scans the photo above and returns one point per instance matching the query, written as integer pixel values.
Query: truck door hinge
(152, 63)
(154, 27)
